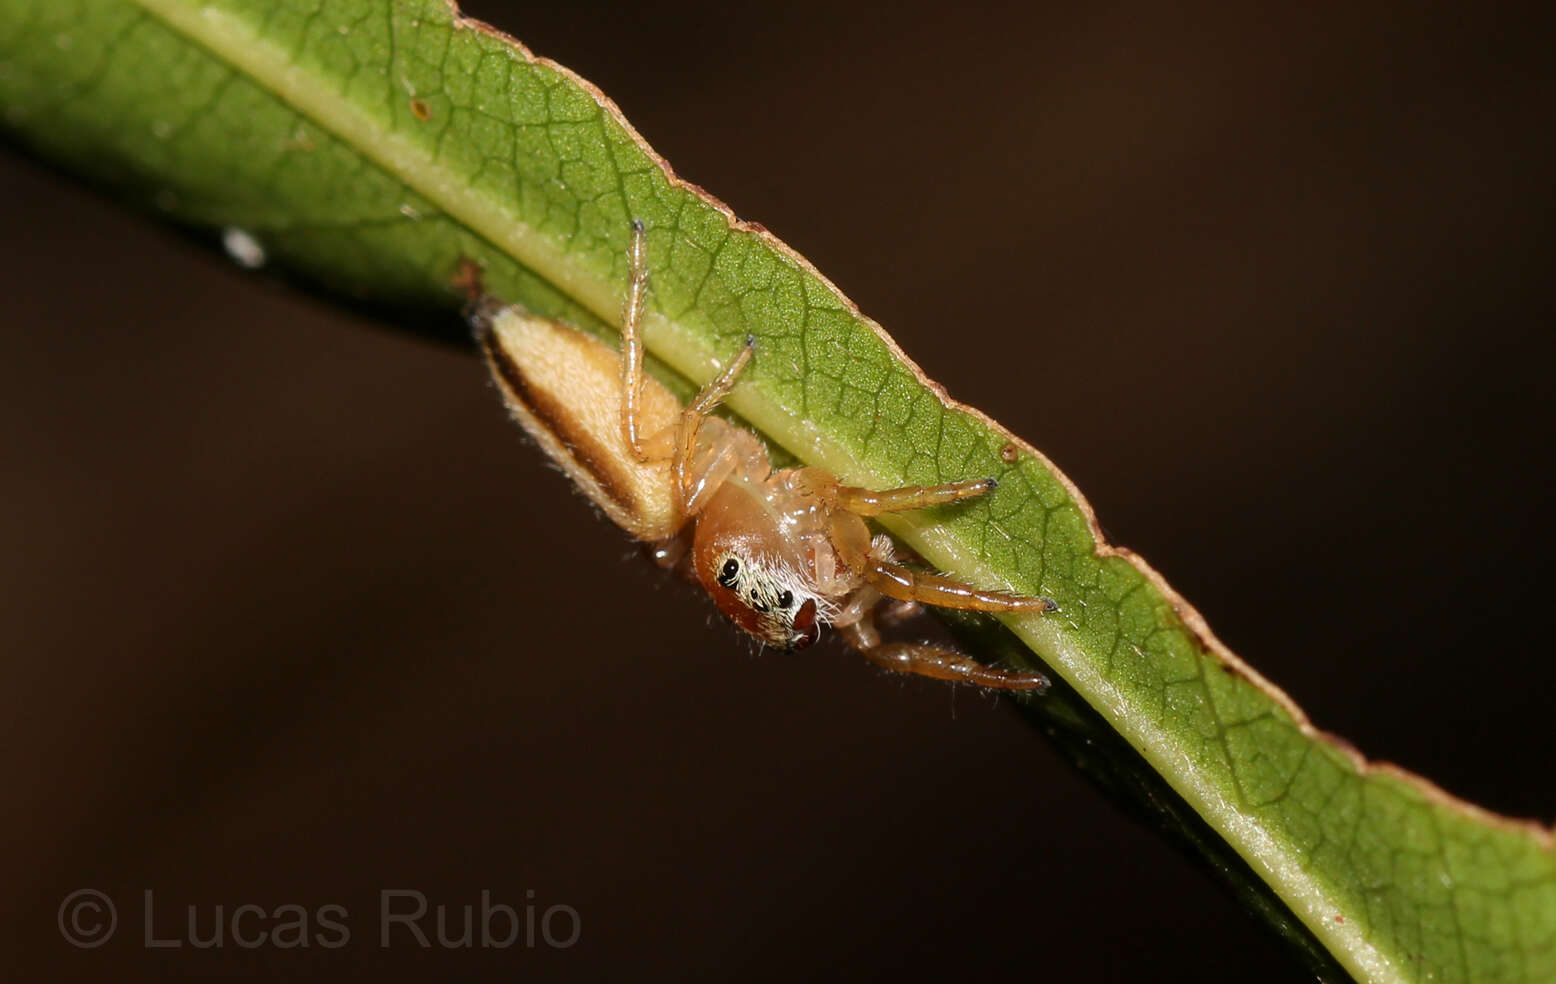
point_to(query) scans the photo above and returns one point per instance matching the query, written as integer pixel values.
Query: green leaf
(366, 146)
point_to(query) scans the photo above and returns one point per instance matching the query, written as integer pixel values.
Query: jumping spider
(780, 552)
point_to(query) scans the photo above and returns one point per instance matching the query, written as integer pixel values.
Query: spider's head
(764, 598)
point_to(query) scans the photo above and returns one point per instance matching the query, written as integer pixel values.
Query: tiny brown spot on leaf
(420, 109)
(1009, 453)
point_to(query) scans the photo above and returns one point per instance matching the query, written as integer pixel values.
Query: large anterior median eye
(729, 572)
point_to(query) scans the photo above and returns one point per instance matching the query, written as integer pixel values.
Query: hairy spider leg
(882, 576)
(696, 476)
(852, 539)
(631, 343)
(924, 659)
(873, 502)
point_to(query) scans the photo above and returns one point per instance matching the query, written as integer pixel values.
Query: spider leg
(895, 581)
(869, 502)
(852, 539)
(632, 365)
(697, 472)
(897, 612)
(698, 476)
(632, 343)
(932, 661)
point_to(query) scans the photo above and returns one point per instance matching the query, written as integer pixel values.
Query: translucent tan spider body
(781, 552)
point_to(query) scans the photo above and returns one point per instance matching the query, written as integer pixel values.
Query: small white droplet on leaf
(244, 249)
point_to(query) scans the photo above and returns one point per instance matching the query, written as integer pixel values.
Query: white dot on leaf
(244, 249)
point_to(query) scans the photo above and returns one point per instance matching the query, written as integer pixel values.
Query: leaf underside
(366, 146)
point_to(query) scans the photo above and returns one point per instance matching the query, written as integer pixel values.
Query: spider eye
(786, 599)
(728, 571)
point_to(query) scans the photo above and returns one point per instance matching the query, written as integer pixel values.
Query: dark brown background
(292, 615)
